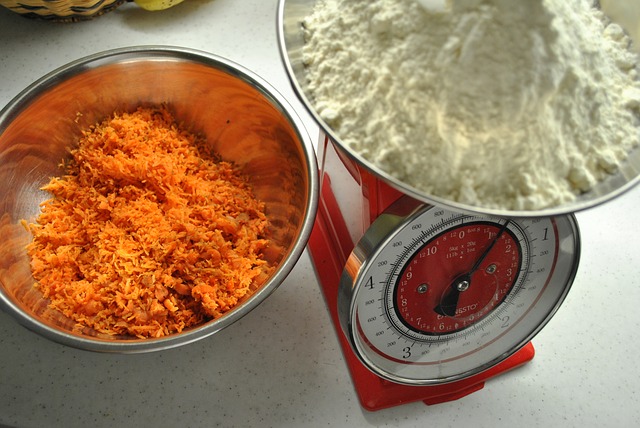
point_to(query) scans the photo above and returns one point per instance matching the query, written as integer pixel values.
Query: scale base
(374, 392)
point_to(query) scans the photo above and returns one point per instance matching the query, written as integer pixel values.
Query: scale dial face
(431, 296)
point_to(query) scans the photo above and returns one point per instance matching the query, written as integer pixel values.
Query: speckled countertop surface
(281, 364)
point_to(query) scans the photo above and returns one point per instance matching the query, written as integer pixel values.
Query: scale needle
(449, 302)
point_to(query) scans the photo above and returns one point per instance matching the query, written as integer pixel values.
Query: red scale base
(329, 245)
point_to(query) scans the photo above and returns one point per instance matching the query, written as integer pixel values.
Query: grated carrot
(147, 232)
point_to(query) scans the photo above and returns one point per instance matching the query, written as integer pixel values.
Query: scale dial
(430, 296)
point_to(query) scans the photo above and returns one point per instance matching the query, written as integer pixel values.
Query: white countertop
(281, 365)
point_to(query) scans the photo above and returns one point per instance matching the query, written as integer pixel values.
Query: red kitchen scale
(430, 303)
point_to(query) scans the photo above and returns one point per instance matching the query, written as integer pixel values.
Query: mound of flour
(500, 104)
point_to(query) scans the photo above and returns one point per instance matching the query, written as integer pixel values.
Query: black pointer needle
(449, 302)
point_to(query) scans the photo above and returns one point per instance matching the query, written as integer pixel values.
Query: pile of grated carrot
(148, 232)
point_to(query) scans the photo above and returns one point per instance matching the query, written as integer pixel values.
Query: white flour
(503, 104)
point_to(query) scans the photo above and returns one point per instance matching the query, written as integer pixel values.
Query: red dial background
(429, 274)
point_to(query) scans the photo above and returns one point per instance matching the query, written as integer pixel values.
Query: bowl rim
(141, 53)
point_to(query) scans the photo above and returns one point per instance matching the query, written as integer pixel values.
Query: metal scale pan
(291, 15)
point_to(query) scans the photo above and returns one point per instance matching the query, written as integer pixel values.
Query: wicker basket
(61, 10)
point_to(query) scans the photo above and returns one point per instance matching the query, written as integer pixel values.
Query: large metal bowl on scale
(291, 14)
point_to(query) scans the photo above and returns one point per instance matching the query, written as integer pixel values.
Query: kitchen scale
(430, 298)
(429, 303)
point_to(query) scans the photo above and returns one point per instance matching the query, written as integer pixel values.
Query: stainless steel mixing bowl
(244, 119)
(291, 14)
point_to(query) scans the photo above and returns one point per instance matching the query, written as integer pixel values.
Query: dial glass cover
(432, 296)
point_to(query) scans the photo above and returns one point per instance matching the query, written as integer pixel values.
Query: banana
(157, 4)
